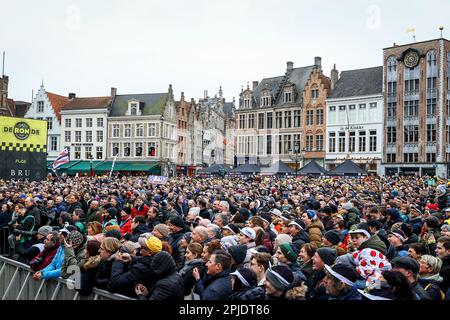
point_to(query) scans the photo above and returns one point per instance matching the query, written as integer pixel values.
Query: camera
(36, 261)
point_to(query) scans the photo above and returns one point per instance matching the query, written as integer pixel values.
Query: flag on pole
(112, 166)
(63, 157)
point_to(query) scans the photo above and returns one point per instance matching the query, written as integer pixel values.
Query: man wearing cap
(177, 230)
(316, 284)
(297, 232)
(410, 269)
(53, 270)
(397, 248)
(339, 283)
(230, 230)
(415, 219)
(247, 236)
(314, 226)
(278, 281)
(123, 279)
(362, 239)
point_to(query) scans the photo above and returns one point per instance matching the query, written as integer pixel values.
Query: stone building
(416, 108)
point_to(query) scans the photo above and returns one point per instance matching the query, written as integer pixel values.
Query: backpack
(440, 291)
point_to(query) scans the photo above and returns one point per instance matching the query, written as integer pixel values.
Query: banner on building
(157, 179)
(23, 148)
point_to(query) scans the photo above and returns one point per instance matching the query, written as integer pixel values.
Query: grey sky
(141, 46)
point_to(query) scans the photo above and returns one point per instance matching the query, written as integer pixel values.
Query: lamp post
(296, 155)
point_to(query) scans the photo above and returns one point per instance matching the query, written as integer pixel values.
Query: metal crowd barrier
(17, 283)
(4, 245)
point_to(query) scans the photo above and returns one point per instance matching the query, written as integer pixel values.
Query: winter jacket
(88, 273)
(103, 274)
(217, 287)
(416, 224)
(445, 274)
(182, 209)
(328, 223)
(152, 223)
(36, 213)
(316, 286)
(374, 242)
(186, 274)
(205, 214)
(169, 285)
(307, 270)
(352, 215)
(26, 223)
(125, 226)
(73, 261)
(301, 238)
(419, 292)
(177, 251)
(29, 253)
(46, 257)
(250, 294)
(53, 270)
(124, 282)
(353, 294)
(431, 286)
(93, 215)
(315, 230)
(73, 206)
(5, 218)
(139, 211)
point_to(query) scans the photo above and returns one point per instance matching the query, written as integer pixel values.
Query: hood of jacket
(316, 224)
(376, 243)
(163, 264)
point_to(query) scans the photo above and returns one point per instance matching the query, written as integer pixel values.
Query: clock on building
(411, 59)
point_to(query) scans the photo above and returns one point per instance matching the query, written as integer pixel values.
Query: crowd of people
(239, 238)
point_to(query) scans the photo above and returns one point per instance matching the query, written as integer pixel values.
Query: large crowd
(240, 238)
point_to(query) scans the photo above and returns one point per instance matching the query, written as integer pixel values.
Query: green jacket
(374, 243)
(72, 258)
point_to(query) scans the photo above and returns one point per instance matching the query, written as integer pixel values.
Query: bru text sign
(23, 148)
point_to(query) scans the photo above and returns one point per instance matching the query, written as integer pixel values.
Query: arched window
(392, 64)
(431, 58)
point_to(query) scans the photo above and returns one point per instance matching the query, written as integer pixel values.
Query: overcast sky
(138, 46)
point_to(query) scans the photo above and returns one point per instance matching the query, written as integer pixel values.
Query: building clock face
(411, 59)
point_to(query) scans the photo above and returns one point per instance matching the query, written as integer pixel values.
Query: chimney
(289, 66)
(182, 96)
(334, 77)
(113, 92)
(255, 84)
(205, 94)
(318, 63)
(71, 96)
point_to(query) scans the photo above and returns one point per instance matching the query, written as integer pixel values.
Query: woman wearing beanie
(244, 286)
(74, 246)
(314, 226)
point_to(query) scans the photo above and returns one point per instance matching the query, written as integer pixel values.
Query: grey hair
(216, 229)
(225, 203)
(434, 262)
(202, 231)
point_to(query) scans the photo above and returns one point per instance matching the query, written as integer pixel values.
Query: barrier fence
(17, 283)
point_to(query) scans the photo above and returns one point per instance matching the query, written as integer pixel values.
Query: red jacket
(142, 212)
(46, 257)
(125, 226)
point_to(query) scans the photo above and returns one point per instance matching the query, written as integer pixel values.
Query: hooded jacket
(53, 270)
(139, 211)
(175, 244)
(301, 238)
(124, 282)
(186, 274)
(249, 294)
(315, 230)
(72, 257)
(46, 257)
(170, 284)
(431, 286)
(374, 242)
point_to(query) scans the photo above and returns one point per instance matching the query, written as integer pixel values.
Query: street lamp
(296, 155)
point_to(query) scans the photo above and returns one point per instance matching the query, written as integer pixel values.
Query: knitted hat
(177, 221)
(238, 253)
(247, 276)
(153, 244)
(311, 214)
(265, 216)
(45, 230)
(115, 233)
(328, 255)
(375, 224)
(432, 222)
(130, 246)
(288, 251)
(280, 277)
(76, 238)
(333, 236)
(163, 229)
(399, 234)
(343, 273)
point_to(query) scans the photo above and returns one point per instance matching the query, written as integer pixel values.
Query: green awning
(82, 167)
(140, 166)
(105, 166)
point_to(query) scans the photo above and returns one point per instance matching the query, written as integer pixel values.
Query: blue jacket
(53, 270)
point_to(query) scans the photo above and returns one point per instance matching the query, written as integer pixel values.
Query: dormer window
(288, 97)
(40, 106)
(133, 108)
(246, 103)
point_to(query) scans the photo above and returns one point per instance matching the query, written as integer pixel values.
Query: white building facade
(47, 106)
(83, 127)
(354, 127)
